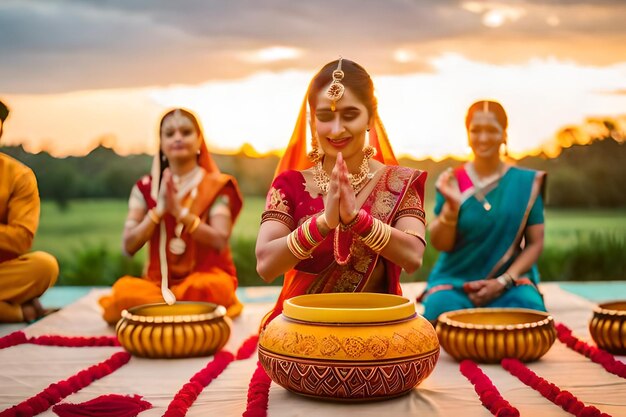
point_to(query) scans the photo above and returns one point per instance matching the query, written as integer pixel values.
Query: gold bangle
(447, 222)
(153, 216)
(194, 225)
(378, 237)
(295, 247)
(417, 235)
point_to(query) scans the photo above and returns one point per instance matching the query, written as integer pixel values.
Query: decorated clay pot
(181, 330)
(488, 335)
(349, 346)
(608, 327)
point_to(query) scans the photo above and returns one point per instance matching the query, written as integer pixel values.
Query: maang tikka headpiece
(336, 89)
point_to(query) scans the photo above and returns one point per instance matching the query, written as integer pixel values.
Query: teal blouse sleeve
(536, 212)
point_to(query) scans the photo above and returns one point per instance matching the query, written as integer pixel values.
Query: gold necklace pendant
(177, 245)
(357, 181)
(321, 178)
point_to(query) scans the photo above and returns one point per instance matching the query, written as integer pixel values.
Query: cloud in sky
(52, 46)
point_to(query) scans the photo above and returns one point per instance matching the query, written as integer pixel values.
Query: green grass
(84, 224)
(86, 238)
(565, 228)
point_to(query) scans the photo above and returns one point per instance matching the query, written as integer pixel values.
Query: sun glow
(271, 54)
(423, 112)
(495, 14)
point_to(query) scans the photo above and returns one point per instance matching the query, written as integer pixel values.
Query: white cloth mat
(27, 369)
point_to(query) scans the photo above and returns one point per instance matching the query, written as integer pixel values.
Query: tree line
(581, 176)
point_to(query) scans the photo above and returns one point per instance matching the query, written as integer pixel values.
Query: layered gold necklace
(357, 181)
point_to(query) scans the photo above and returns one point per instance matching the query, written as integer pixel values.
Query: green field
(101, 222)
(93, 229)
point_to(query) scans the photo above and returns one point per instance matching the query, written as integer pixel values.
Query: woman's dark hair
(189, 115)
(4, 111)
(487, 105)
(355, 78)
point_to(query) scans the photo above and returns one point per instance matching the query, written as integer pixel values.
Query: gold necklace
(357, 181)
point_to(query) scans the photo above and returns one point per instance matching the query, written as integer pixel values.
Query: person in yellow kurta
(186, 210)
(24, 276)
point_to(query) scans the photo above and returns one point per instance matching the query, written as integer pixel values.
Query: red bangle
(314, 230)
(363, 224)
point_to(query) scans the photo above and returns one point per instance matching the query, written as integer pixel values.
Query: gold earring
(315, 155)
(368, 150)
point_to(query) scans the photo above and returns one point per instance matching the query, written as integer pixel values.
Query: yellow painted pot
(349, 346)
(608, 327)
(488, 335)
(182, 330)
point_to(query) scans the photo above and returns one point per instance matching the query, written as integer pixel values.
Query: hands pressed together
(340, 203)
(168, 199)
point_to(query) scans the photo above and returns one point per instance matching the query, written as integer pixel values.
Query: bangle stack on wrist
(506, 280)
(302, 241)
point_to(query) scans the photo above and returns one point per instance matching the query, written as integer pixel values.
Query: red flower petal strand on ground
(13, 339)
(57, 391)
(74, 341)
(489, 395)
(258, 393)
(112, 405)
(564, 399)
(188, 394)
(594, 353)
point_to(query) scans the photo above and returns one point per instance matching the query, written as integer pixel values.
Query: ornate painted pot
(488, 335)
(349, 346)
(182, 330)
(608, 327)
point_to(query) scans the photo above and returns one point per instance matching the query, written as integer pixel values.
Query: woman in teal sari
(489, 226)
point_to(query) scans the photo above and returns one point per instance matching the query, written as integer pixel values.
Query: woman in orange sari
(185, 210)
(345, 217)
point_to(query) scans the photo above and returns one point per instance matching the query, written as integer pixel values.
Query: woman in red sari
(185, 210)
(345, 217)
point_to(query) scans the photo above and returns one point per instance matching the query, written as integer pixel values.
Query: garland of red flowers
(565, 399)
(489, 395)
(188, 394)
(258, 393)
(59, 390)
(594, 353)
(19, 337)
(13, 339)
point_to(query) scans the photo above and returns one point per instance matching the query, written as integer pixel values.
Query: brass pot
(182, 330)
(349, 346)
(608, 327)
(488, 335)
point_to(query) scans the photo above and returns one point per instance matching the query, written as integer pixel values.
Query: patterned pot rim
(452, 319)
(180, 312)
(360, 307)
(343, 363)
(611, 308)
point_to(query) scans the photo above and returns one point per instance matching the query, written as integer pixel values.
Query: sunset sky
(76, 73)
